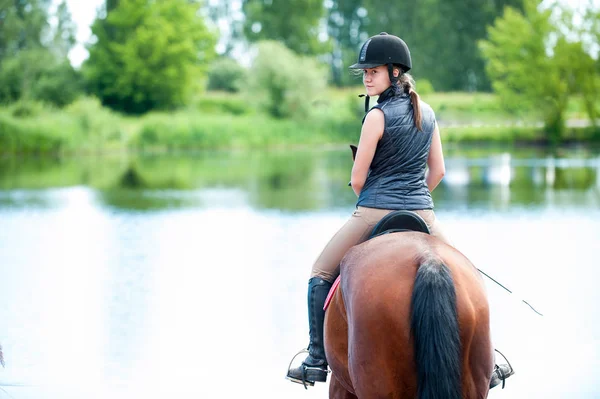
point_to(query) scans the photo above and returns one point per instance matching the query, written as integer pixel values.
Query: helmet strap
(366, 96)
(393, 79)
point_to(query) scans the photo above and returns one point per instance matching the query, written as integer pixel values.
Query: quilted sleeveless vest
(396, 178)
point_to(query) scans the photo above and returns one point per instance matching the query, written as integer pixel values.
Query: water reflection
(161, 276)
(300, 180)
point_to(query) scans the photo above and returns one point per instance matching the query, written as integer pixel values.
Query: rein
(522, 300)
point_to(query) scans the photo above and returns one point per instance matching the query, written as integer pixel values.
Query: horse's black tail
(434, 326)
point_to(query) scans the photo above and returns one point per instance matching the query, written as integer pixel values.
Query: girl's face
(376, 80)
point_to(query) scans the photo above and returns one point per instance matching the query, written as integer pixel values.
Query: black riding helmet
(383, 49)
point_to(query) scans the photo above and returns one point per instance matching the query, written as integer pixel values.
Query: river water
(185, 276)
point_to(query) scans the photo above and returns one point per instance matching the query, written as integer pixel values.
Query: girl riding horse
(399, 161)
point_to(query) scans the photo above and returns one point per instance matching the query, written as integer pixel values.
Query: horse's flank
(368, 338)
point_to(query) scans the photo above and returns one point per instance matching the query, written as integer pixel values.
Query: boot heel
(316, 374)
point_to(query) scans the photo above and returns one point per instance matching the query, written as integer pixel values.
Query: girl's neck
(391, 91)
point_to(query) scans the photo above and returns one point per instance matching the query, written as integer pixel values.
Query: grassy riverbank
(223, 121)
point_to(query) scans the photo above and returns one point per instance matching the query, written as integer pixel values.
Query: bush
(26, 109)
(28, 136)
(227, 104)
(424, 86)
(59, 85)
(284, 83)
(227, 75)
(98, 126)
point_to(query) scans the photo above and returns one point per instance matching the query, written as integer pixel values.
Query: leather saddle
(397, 221)
(393, 222)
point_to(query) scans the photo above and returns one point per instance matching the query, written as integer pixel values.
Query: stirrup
(305, 382)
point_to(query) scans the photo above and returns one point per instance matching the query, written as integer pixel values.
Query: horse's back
(374, 302)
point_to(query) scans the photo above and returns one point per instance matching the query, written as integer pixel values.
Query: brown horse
(410, 319)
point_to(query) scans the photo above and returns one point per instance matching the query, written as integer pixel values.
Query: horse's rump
(368, 336)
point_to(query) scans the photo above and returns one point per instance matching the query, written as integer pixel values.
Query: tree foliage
(33, 54)
(227, 75)
(37, 74)
(284, 83)
(346, 28)
(63, 38)
(295, 23)
(23, 25)
(442, 36)
(419, 29)
(536, 63)
(588, 72)
(148, 55)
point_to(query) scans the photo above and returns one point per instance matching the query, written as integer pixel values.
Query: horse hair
(434, 326)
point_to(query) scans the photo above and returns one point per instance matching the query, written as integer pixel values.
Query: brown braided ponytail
(407, 83)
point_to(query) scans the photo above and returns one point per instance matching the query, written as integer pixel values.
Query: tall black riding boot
(314, 367)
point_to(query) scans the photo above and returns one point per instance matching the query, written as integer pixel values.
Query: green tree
(111, 5)
(442, 36)
(148, 55)
(295, 23)
(537, 63)
(284, 83)
(419, 29)
(33, 55)
(588, 72)
(22, 25)
(346, 21)
(37, 74)
(500, 5)
(463, 24)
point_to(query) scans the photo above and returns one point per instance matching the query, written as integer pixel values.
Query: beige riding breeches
(355, 231)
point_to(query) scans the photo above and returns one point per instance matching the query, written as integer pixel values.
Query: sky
(84, 13)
